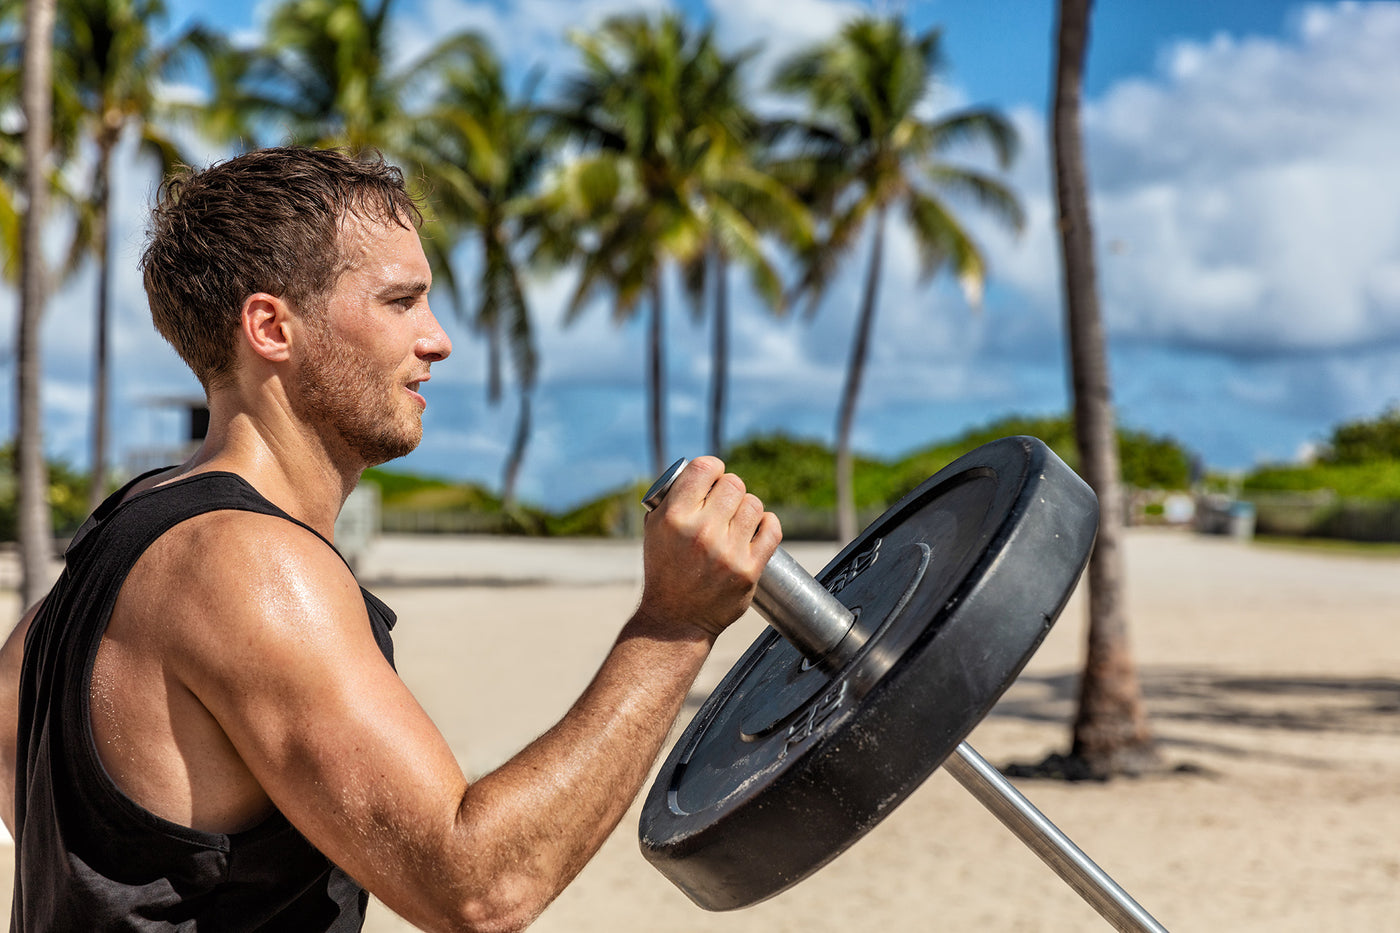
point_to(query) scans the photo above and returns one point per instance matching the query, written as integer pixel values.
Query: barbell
(870, 677)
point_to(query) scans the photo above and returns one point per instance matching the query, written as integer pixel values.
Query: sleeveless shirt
(88, 858)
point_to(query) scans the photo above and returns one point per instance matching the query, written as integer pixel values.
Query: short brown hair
(266, 221)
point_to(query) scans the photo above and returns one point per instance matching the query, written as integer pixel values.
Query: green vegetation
(407, 491)
(67, 496)
(1366, 441)
(794, 476)
(404, 494)
(1351, 493)
(786, 471)
(791, 474)
(1360, 461)
(1378, 479)
(1387, 551)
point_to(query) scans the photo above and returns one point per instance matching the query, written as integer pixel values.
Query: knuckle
(709, 465)
(735, 483)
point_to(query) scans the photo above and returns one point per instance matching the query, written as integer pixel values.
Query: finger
(692, 487)
(725, 496)
(767, 536)
(744, 521)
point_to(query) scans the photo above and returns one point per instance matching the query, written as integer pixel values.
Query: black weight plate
(787, 764)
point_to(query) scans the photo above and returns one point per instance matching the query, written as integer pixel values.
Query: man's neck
(286, 462)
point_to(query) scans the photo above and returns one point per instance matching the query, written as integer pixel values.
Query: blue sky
(1247, 210)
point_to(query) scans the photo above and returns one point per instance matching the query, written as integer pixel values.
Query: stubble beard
(343, 399)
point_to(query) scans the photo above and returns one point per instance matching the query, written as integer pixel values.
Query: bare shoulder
(275, 648)
(230, 575)
(252, 642)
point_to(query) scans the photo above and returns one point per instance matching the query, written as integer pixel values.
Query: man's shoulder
(247, 545)
(240, 567)
(231, 592)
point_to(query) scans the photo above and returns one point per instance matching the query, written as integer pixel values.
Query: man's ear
(266, 325)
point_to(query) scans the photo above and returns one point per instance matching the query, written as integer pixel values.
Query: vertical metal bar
(1043, 838)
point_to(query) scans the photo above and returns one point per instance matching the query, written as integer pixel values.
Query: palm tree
(492, 150)
(1110, 729)
(106, 60)
(328, 77)
(325, 76)
(867, 150)
(745, 205)
(35, 524)
(11, 182)
(663, 178)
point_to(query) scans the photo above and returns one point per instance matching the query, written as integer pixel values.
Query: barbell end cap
(658, 489)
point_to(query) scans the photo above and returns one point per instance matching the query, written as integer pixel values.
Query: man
(203, 727)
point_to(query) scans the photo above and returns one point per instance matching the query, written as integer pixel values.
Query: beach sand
(1272, 674)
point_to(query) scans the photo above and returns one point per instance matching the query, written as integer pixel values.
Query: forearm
(11, 660)
(537, 820)
(550, 808)
(368, 779)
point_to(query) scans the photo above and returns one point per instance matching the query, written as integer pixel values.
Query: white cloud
(527, 33)
(778, 27)
(1251, 189)
(1245, 203)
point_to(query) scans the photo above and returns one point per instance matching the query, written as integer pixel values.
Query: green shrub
(1363, 441)
(1377, 479)
(67, 497)
(797, 475)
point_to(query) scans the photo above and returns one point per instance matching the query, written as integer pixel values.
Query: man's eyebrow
(416, 287)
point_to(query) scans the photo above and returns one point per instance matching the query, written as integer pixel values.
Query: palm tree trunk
(516, 457)
(97, 486)
(657, 383)
(492, 256)
(846, 528)
(1111, 734)
(493, 363)
(719, 373)
(35, 522)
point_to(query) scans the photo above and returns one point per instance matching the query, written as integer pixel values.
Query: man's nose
(434, 345)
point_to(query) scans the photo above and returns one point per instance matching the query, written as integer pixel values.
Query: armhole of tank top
(276, 511)
(90, 759)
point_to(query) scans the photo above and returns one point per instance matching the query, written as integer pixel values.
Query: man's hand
(706, 545)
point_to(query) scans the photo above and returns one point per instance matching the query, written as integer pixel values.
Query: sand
(1273, 673)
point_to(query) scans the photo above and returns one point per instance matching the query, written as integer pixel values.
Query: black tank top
(88, 858)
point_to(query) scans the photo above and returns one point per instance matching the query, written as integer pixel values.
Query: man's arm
(11, 658)
(342, 748)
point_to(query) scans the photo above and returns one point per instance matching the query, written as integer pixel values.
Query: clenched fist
(706, 545)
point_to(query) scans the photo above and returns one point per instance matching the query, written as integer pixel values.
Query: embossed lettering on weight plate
(815, 715)
(859, 565)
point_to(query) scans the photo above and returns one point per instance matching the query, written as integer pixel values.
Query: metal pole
(795, 604)
(1044, 838)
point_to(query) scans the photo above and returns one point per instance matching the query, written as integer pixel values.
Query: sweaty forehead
(370, 246)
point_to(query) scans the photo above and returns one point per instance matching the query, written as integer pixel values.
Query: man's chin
(390, 448)
(389, 455)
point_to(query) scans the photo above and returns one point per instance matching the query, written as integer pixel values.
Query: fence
(1321, 514)
(1326, 515)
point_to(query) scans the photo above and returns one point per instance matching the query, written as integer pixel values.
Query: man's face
(370, 348)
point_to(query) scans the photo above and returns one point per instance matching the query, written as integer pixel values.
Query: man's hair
(267, 221)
